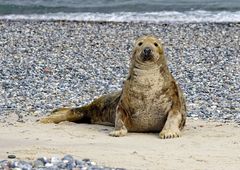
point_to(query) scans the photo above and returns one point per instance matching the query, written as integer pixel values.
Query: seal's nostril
(147, 50)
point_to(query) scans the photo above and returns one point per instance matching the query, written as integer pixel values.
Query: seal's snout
(147, 53)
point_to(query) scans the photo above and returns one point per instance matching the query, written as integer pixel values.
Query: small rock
(11, 156)
(17, 169)
(4, 164)
(43, 159)
(61, 165)
(49, 165)
(38, 163)
(86, 160)
(55, 160)
(79, 162)
(68, 158)
(76, 169)
(24, 165)
(93, 163)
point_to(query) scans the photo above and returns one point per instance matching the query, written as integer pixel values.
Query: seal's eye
(139, 44)
(156, 44)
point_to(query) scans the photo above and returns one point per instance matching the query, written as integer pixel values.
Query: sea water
(123, 10)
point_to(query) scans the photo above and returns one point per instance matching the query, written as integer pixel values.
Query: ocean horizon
(123, 11)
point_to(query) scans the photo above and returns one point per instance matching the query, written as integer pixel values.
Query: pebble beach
(54, 163)
(51, 64)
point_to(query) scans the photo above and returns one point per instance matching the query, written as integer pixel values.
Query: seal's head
(148, 49)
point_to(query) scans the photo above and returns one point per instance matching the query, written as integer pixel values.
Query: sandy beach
(204, 145)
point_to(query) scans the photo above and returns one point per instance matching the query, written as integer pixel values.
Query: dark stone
(44, 160)
(79, 162)
(11, 156)
(61, 165)
(69, 158)
(86, 160)
(70, 166)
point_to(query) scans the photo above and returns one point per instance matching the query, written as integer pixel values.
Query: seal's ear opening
(133, 54)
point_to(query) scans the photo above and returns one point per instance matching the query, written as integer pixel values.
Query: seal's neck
(140, 71)
(147, 68)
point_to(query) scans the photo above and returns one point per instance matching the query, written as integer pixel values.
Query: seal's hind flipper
(100, 111)
(62, 114)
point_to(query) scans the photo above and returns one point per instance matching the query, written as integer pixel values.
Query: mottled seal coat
(149, 101)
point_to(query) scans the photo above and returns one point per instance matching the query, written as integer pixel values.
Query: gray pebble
(4, 164)
(49, 164)
(38, 163)
(86, 160)
(62, 165)
(55, 160)
(24, 165)
(44, 160)
(68, 158)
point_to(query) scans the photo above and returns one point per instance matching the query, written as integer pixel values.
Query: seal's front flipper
(120, 128)
(62, 114)
(122, 131)
(171, 128)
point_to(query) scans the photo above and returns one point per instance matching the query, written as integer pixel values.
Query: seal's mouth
(146, 54)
